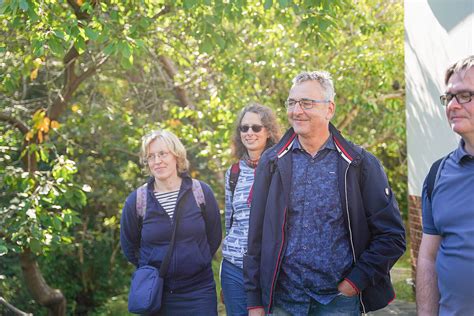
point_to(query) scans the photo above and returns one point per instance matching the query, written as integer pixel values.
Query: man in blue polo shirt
(445, 269)
(325, 228)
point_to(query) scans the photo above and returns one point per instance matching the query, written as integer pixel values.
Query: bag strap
(233, 178)
(166, 260)
(201, 201)
(199, 195)
(141, 205)
(433, 175)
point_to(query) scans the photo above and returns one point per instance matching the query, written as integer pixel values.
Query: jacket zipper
(350, 229)
(278, 262)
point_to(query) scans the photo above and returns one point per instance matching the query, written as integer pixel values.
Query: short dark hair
(465, 63)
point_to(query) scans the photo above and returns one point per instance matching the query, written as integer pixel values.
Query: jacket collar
(349, 152)
(186, 183)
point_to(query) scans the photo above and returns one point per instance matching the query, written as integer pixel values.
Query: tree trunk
(42, 293)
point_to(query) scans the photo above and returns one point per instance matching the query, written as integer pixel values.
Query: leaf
(55, 124)
(44, 155)
(3, 250)
(189, 4)
(55, 46)
(91, 33)
(35, 245)
(110, 49)
(57, 223)
(268, 4)
(206, 45)
(284, 3)
(34, 74)
(29, 136)
(24, 5)
(80, 45)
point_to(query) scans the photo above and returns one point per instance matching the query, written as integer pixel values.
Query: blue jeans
(232, 283)
(340, 306)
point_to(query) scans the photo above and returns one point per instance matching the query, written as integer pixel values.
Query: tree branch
(166, 9)
(22, 127)
(171, 71)
(13, 308)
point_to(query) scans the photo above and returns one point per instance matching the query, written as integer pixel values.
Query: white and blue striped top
(235, 242)
(168, 201)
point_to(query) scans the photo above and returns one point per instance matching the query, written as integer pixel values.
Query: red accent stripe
(394, 296)
(288, 143)
(353, 285)
(343, 150)
(254, 307)
(278, 260)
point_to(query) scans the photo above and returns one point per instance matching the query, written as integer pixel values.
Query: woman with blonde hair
(170, 198)
(256, 129)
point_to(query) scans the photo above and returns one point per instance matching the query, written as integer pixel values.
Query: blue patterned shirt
(318, 254)
(235, 242)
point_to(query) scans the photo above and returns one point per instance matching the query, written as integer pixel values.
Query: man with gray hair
(325, 228)
(445, 268)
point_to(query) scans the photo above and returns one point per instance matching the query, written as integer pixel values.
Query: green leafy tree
(82, 81)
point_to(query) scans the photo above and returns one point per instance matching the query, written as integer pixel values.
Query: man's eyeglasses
(161, 155)
(255, 128)
(306, 104)
(461, 97)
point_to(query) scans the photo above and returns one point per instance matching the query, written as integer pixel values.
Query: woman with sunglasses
(256, 129)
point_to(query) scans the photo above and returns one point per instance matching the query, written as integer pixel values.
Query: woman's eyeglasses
(255, 128)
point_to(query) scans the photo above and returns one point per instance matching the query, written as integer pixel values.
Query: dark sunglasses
(255, 128)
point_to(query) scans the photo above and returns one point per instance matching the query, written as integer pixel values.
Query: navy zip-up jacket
(372, 219)
(198, 236)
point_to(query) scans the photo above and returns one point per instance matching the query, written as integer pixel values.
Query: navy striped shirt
(168, 201)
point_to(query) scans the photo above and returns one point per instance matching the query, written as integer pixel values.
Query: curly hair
(172, 142)
(269, 121)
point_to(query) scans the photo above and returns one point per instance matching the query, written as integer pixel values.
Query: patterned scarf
(252, 163)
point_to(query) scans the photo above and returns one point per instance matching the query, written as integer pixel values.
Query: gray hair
(463, 64)
(323, 77)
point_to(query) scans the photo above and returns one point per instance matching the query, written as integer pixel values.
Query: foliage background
(82, 81)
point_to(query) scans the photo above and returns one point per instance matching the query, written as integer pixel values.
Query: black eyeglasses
(306, 104)
(462, 97)
(255, 128)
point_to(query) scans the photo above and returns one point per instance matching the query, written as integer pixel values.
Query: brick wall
(414, 223)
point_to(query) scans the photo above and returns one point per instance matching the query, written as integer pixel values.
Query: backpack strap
(433, 175)
(234, 176)
(199, 195)
(141, 205)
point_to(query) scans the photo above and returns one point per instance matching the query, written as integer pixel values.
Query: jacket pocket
(189, 260)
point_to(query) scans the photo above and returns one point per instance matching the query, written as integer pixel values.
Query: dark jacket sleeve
(213, 219)
(129, 231)
(257, 212)
(387, 242)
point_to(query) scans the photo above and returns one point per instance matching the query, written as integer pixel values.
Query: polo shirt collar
(329, 144)
(460, 153)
